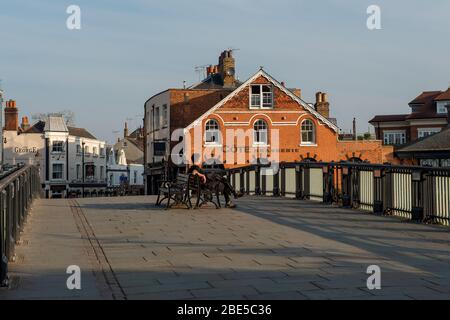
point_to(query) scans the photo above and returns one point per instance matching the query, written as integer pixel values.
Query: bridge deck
(265, 249)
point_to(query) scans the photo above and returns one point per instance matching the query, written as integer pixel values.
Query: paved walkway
(266, 249)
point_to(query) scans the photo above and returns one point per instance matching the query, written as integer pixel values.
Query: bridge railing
(18, 187)
(414, 193)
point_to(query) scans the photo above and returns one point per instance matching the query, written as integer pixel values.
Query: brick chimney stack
(25, 123)
(322, 105)
(11, 116)
(227, 68)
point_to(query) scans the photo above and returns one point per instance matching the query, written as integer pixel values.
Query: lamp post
(82, 168)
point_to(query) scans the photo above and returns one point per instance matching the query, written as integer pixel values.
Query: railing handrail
(18, 188)
(412, 192)
(4, 182)
(345, 164)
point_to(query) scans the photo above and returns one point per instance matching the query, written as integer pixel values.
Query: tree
(68, 115)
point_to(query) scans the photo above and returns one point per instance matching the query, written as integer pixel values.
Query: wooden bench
(183, 190)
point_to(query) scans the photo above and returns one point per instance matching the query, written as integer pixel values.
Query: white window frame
(60, 145)
(425, 132)
(313, 133)
(165, 115)
(266, 129)
(441, 107)
(216, 132)
(61, 165)
(261, 98)
(157, 119)
(394, 132)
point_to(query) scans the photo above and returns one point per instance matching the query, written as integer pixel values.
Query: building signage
(22, 150)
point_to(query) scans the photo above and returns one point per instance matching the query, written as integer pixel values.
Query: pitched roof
(139, 143)
(444, 95)
(427, 108)
(264, 74)
(437, 142)
(38, 127)
(425, 97)
(213, 81)
(81, 132)
(389, 118)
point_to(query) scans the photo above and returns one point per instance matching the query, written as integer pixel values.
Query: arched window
(212, 132)
(308, 134)
(260, 132)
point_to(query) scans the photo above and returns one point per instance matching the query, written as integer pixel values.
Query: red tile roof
(426, 97)
(444, 96)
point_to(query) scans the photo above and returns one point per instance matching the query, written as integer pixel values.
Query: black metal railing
(414, 193)
(18, 187)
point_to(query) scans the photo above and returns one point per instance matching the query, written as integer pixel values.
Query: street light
(82, 168)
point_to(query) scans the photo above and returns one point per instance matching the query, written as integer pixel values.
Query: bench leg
(168, 202)
(157, 199)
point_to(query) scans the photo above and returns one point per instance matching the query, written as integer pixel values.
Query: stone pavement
(267, 248)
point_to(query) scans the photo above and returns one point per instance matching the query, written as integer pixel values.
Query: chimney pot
(318, 97)
(298, 92)
(324, 97)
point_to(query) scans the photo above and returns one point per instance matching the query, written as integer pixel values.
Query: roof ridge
(265, 74)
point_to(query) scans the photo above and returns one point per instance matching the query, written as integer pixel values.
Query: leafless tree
(68, 115)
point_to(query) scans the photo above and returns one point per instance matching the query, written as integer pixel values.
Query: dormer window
(212, 132)
(261, 96)
(441, 107)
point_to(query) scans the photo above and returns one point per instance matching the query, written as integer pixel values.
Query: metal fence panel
(402, 200)
(251, 182)
(269, 176)
(366, 190)
(290, 190)
(316, 184)
(442, 199)
(237, 181)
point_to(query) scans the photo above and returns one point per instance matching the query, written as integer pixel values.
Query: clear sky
(126, 51)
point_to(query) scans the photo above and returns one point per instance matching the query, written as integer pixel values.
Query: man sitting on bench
(212, 180)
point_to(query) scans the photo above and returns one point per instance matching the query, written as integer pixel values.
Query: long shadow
(276, 211)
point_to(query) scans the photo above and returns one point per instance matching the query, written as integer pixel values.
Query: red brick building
(263, 105)
(240, 123)
(428, 116)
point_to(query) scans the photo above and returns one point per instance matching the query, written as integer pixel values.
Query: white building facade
(72, 162)
(120, 173)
